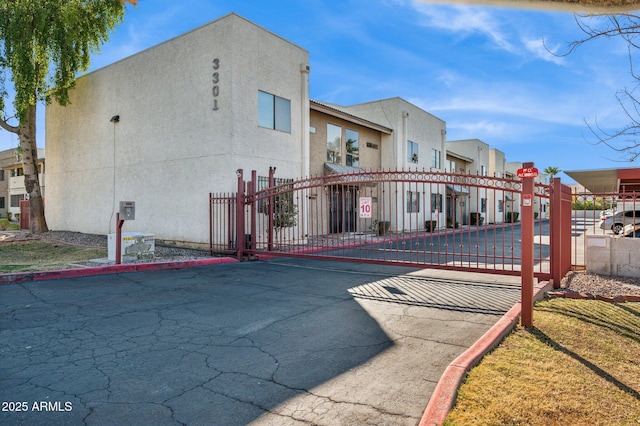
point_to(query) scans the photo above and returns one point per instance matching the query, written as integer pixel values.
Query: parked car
(618, 221)
(631, 231)
(607, 213)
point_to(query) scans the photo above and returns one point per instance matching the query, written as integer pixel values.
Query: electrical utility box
(135, 246)
(127, 210)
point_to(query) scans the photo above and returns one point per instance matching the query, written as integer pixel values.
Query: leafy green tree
(44, 44)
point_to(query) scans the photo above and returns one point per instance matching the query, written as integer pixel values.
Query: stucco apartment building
(169, 125)
(12, 188)
(475, 157)
(390, 134)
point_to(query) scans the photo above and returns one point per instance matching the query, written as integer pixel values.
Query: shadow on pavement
(215, 345)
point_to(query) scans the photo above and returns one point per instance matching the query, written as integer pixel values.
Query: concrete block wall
(613, 256)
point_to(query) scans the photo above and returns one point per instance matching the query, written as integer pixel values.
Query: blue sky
(483, 70)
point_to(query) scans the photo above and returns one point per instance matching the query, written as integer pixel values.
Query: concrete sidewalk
(274, 342)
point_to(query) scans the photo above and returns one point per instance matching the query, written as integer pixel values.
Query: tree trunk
(27, 133)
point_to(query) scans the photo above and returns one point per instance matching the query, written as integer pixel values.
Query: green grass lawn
(30, 256)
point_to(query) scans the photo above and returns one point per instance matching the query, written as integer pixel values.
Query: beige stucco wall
(170, 147)
(370, 158)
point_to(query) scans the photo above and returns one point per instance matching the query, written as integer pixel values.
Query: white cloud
(541, 51)
(465, 21)
(504, 30)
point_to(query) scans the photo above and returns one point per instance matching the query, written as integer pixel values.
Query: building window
(413, 202)
(451, 165)
(436, 203)
(15, 200)
(1, 175)
(483, 171)
(500, 206)
(412, 152)
(2, 206)
(483, 205)
(17, 172)
(435, 158)
(353, 148)
(334, 144)
(274, 112)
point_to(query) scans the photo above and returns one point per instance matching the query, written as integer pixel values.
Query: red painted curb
(109, 269)
(444, 395)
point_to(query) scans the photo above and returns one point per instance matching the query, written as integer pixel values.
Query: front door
(342, 209)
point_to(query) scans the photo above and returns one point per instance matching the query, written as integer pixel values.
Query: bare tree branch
(625, 140)
(9, 128)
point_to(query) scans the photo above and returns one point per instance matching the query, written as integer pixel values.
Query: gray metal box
(127, 210)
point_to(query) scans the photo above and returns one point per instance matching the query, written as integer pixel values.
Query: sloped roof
(340, 112)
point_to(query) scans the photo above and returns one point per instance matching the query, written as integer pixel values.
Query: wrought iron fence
(413, 218)
(616, 214)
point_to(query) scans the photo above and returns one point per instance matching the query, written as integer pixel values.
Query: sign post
(127, 212)
(528, 173)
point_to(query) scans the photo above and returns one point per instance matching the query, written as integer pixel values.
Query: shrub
(5, 225)
(512, 217)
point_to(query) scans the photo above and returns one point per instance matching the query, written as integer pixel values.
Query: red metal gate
(412, 218)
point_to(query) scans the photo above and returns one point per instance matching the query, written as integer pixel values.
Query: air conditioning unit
(135, 246)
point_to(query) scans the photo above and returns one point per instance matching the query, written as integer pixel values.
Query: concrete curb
(109, 269)
(444, 395)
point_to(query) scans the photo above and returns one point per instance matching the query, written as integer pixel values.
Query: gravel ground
(579, 282)
(600, 285)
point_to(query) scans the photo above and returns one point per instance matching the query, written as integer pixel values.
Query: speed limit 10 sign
(365, 207)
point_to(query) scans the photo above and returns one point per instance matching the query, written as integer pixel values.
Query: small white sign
(365, 207)
(526, 200)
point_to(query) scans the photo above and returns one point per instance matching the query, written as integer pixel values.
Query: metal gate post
(210, 224)
(240, 197)
(555, 240)
(560, 231)
(527, 227)
(253, 209)
(272, 200)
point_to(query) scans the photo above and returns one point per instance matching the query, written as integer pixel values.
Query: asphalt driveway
(273, 342)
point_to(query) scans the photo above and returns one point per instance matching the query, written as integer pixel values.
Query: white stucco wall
(479, 152)
(497, 169)
(171, 148)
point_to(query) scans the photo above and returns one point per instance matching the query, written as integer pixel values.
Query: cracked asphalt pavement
(280, 342)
